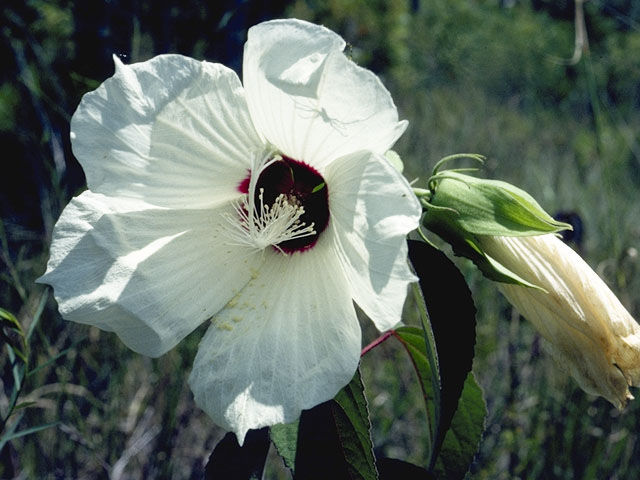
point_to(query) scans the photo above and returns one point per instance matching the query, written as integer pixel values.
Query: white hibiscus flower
(268, 209)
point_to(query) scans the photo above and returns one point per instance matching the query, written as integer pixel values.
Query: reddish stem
(376, 342)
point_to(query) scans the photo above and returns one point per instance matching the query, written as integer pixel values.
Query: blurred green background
(486, 76)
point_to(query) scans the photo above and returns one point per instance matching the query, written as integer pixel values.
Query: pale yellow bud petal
(590, 331)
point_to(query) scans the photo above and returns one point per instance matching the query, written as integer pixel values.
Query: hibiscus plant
(270, 208)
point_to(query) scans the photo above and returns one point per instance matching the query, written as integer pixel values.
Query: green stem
(599, 128)
(19, 378)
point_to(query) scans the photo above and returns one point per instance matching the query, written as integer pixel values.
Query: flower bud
(490, 207)
(513, 241)
(459, 208)
(589, 330)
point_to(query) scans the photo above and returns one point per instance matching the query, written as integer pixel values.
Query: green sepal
(460, 209)
(489, 207)
(466, 244)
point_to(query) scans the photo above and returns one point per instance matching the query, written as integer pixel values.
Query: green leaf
(22, 405)
(13, 344)
(28, 431)
(8, 434)
(7, 319)
(231, 461)
(50, 361)
(18, 369)
(12, 335)
(413, 341)
(332, 440)
(394, 469)
(11, 433)
(463, 438)
(453, 321)
(354, 427)
(285, 438)
(38, 315)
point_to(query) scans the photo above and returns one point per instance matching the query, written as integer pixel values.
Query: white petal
(372, 210)
(150, 275)
(309, 100)
(589, 330)
(172, 131)
(289, 341)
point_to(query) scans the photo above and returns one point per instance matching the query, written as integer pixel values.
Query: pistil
(285, 206)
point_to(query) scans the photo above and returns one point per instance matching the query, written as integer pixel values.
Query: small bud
(461, 208)
(513, 241)
(490, 207)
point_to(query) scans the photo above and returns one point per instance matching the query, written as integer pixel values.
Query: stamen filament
(260, 226)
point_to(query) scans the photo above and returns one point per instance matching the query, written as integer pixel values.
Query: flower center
(286, 205)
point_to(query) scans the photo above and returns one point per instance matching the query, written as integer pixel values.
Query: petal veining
(172, 131)
(309, 100)
(589, 330)
(288, 341)
(148, 274)
(372, 210)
